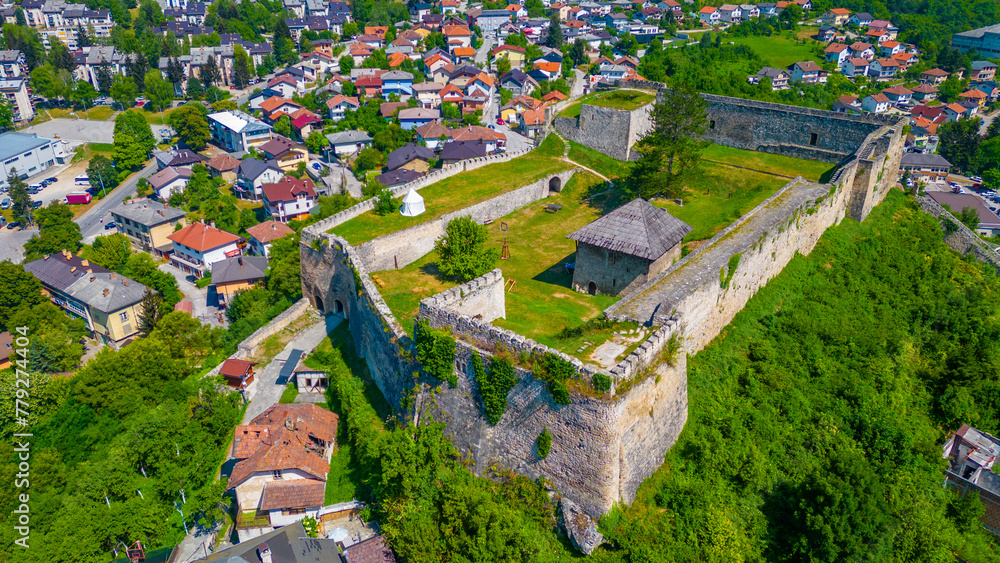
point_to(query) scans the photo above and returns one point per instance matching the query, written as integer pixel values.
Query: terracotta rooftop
(202, 237)
(224, 163)
(235, 368)
(295, 494)
(269, 231)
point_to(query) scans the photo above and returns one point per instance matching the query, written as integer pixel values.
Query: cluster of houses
(58, 19)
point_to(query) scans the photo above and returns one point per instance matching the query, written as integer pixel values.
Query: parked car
(976, 179)
(110, 225)
(317, 167)
(13, 225)
(36, 204)
(49, 181)
(500, 121)
(36, 187)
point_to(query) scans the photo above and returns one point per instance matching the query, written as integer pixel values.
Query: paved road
(266, 390)
(201, 309)
(90, 222)
(577, 90)
(988, 120)
(482, 55)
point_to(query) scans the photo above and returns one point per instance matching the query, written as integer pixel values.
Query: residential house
(397, 82)
(750, 11)
(956, 111)
(237, 131)
(12, 64)
(826, 33)
(836, 16)
(516, 55)
(238, 373)
(494, 140)
(457, 151)
(906, 60)
(531, 122)
(710, 15)
(237, 273)
(169, 181)
(411, 118)
(518, 83)
(925, 167)
(934, 76)
(516, 106)
(109, 303)
(252, 173)
(302, 124)
(276, 106)
(807, 72)
(837, 53)
(177, 158)
(198, 246)
(877, 36)
(982, 71)
(890, 48)
(989, 222)
(554, 97)
(287, 153)
(855, 67)
(884, 69)
(457, 36)
(410, 156)
(975, 96)
(430, 134)
(876, 103)
(924, 93)
(862, 50)
(862, 19)
(348, 142)
(286, 86)
(147, 224)
(779, 78)
(518, 11)
(428, 94)
(283, 462)
(899, 94)
(730, 13)
(489, 21)
(290, 199)
(972, 455)
(369, 86)
(309, 381)
(263, 234)
(340, 104)
(15, 91)
(395, 178)
(224, 166)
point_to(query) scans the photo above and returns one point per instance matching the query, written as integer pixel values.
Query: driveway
(577, 90)
(267, 387)
(203, 308)
(515, 141)
(482, 55)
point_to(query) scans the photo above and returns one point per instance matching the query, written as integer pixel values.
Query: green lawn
(96, 113)
(610, 167)
(778, 51)
(462, 190)
(765, 162)
(542, 302)
(617, 99)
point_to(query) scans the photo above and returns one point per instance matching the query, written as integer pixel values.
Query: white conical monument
(413, 204)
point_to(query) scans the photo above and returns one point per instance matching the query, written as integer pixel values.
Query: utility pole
(178, 509)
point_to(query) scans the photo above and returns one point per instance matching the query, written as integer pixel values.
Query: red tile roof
(288, 189)
(269, 231)
(236, 368)
(202, 237)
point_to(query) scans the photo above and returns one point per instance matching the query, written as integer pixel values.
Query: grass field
(778, 51)
(462, 190)
(96, 113)
(542, 302)
(610, 167)
(617, 99)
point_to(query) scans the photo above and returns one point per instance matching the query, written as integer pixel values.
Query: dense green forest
(814, 430)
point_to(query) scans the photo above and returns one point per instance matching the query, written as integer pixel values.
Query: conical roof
(412, 197)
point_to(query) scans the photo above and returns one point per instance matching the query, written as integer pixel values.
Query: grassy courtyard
(542, 302)
(626, 100)
(462, 190)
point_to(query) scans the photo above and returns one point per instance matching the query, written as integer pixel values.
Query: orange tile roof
(841, 11)
(974, 93)
(274, 102)
(554, 95)
(396, 59)
(484, 78)
(548, 66)
(464, 52)
(456, 31)
(202, 237)
(708, 10)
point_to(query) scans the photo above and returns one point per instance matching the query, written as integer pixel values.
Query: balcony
(246, 520)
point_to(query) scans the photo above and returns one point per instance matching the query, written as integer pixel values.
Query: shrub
(601, 382)
(544, 443)
(554, 370)
(385, 204)
(463, 250)
(436, 352)
(494, 385)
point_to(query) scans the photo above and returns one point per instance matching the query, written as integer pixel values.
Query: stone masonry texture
(605, 446)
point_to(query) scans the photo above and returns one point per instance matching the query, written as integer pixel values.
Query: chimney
(289, 424)
(46, 257)
(73, 269)
(85, 263)
(213, 224)
(264, 552)
(239, 260)
(92, 278)
(90, 271)
(125, 281)
(106, 292)
(114, 277)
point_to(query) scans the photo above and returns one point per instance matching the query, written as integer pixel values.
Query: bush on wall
(436, 352)
(494, 385)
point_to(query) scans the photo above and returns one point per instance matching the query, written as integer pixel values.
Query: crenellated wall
(605, 445)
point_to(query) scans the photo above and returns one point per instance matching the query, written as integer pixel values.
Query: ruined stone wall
(482, 298)
(397, 250)
(610, 131)
(962, 239)
(700, 289)
(332, 274)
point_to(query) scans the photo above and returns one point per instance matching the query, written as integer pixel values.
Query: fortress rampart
(604, 446)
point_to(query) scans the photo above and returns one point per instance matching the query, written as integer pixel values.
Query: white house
(198, 246)
(238, 131)
(290, 199)
(252, 173)
(339, 105)
(876, 103)
(169, 181)
(348, 142)
(263, 234)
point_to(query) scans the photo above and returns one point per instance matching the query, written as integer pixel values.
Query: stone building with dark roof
(626, 247)
(237, 273)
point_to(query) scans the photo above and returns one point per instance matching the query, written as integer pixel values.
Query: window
(276, 474)
(813, 139)
(123, 316)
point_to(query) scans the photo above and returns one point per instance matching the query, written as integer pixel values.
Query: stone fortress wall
(603, 447)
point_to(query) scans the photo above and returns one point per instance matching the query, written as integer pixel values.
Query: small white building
(28, 154)
(169, 181)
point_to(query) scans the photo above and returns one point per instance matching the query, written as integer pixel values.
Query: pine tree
(83, 38)
(20, 200)
(241, 68)
(137, 70)
(175, 73)
(149, 312)
(554, 38)
(19, 17)
(210, 73)
(104, 80)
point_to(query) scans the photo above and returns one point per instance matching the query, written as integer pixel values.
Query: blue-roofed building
(27, 154)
